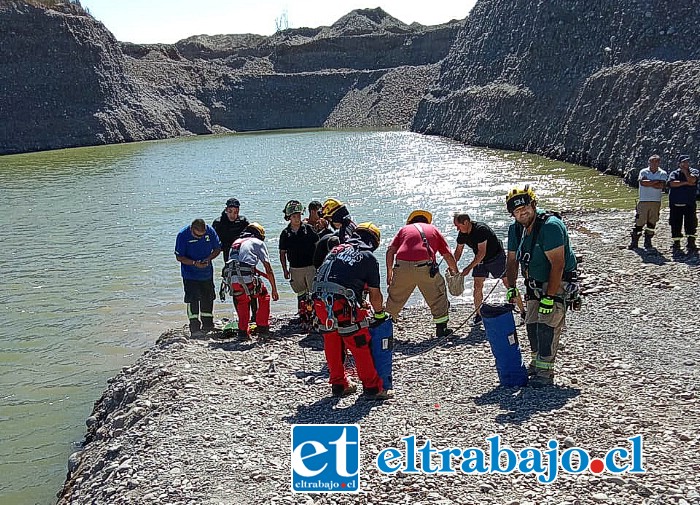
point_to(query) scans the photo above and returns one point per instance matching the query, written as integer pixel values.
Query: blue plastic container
(382, 348)
(501, 334)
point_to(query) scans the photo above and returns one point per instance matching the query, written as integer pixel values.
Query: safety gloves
(512, 293)
(546, 305)
(379, 318)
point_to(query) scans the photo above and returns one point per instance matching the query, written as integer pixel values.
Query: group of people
(330, 263)
(682, 186)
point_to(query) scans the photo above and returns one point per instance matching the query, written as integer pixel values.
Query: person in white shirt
(651, 186)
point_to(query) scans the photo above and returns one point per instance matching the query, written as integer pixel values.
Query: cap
(233, 202)
(683, 157)
(654, 157)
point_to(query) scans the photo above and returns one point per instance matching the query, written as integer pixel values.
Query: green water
(89, 278)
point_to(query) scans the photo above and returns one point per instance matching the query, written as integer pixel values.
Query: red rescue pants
(334, 345)
(258, 293)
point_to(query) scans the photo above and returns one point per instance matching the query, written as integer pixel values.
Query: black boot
(692, 248)
(441, 330)
(647, 241)
(634, 244)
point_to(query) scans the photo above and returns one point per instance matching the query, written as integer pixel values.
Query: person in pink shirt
(411, 263)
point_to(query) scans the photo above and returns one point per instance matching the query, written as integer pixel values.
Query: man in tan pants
(411, 263)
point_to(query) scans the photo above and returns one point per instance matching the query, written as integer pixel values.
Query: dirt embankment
(602, 84)
(67, 82)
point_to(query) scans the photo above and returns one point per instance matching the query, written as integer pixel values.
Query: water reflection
(89, 275)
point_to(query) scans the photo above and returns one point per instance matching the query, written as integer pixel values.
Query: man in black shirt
(229, 225)
(489, 257)
(297, 244)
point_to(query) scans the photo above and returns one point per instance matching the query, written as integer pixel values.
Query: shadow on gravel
(689, 259)
(313, 341)
(468, 335)
(522, 403)
(232, 345)
(652, 256)
(323, 411)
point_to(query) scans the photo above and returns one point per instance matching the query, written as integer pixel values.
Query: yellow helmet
(518, 197)
(372, 230)
(256, 229)
(330, 207)
(419, 213)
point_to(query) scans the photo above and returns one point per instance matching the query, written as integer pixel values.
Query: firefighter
(297, 246)
(245, 280)
(539, 242)
(344, 317)
(411, 263)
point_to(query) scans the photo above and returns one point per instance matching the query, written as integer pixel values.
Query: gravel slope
(205, 421)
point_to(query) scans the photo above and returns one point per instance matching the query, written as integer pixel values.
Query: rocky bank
(65, 81)
(598, 83)
(208, 421)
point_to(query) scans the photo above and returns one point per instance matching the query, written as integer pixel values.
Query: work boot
(647, 242)
(340, 391)
(263, 331)
(242, 336)
(441, 330)
(634, 244)
(540, 381)
(692, 248)
(676, 247)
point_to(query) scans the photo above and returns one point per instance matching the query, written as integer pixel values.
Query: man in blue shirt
(195, 248)
(681, 202)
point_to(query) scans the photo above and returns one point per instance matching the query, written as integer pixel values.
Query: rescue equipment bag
(455, 283)
(500, 332)
(381, 347)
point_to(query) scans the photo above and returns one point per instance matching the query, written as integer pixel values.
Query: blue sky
(167, 21)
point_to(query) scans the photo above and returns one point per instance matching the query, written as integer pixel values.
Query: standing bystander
(651, 186)
(682, 206)
(195, 247)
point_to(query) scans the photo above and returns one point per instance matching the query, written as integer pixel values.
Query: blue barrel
(501, 334)
(381, 346)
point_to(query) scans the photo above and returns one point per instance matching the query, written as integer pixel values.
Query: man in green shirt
(539, 242)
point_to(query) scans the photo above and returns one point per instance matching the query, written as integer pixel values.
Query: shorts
(496, 266)
(199, 291)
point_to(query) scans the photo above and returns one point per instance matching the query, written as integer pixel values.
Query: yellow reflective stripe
(691, 236)
(443, 319)
(190, 315)
(206, 314)
(544, 365)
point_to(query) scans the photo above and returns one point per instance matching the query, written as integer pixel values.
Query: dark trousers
(199, 297)
(203, 309)
(680, 216)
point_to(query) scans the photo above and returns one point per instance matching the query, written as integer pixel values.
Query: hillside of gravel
(207, 421)
(593, 82)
